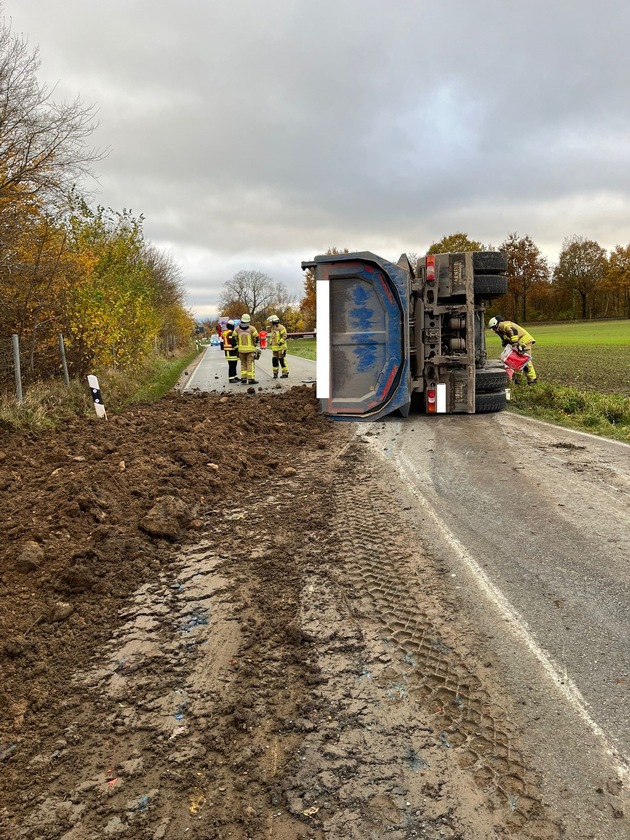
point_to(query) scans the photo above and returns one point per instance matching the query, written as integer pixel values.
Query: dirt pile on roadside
(91, 511)
(216, 623)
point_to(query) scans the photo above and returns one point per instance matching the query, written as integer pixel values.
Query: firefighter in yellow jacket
(278, 342)
(247, 345)
(510, 333)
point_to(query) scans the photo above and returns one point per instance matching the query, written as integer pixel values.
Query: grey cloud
(250, 134)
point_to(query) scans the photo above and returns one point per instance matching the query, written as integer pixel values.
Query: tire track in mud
(283, 681)
(138, 713)
(384, 564)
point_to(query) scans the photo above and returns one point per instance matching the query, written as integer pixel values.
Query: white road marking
(192, 375)
(562, 682)
(559, 678)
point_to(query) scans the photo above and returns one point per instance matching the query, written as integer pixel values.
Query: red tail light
(431, 401)
(430, 269)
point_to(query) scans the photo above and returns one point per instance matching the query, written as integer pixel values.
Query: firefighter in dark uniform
(231, 351)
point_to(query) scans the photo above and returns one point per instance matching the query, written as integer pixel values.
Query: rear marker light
(430, 269)
(431, 401)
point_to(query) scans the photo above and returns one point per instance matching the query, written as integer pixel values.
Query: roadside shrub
(616, 409)
(571, 401)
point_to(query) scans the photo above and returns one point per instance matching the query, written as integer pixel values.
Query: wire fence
(23, 363)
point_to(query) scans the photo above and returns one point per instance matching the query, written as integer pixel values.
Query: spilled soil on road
(217, 623)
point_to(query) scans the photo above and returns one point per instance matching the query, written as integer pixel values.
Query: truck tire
(486, 261)
(490, 402)
(489, 380)
(488, 286)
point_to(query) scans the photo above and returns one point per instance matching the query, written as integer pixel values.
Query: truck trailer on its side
(390, 336)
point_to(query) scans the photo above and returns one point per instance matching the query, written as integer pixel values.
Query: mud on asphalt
(217, 622)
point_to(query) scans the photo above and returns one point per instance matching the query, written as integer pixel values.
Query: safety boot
(284, 376)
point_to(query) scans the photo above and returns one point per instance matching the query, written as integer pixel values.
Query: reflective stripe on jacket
(246, 339)
(229, 344)
(278, 337)
(512, 333)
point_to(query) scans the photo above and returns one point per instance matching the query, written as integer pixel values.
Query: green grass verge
(305, 348)
(48, 404)
(160, 378)
(607, 415)
(583, 371)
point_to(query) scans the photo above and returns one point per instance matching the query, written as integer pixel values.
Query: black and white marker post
(99, 408)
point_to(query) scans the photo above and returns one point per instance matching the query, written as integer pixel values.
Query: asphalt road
(211, 373)
(531, 524)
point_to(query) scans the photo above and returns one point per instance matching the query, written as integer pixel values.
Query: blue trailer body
(389, 334)
(364, 343)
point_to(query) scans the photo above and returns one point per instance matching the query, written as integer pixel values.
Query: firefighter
(510, 333)
(246, 342)
(230, 349)
(278, 341)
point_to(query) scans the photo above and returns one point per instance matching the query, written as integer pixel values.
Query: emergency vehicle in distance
(393, 335)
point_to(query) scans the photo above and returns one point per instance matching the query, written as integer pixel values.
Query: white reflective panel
(322, 336)
(441, 398)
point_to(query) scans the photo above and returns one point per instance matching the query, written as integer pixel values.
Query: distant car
(215, 341)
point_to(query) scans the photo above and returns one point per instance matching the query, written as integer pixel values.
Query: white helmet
(245, 319)
(493, 322)
(273, 319)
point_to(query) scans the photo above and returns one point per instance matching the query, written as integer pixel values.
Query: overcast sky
(253, 135)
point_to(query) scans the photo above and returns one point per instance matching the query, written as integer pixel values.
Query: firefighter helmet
(246, 318)
(273, 319)
(230, 324)
(492, 323)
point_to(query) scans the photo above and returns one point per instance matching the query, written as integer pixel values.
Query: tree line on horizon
(66, 267)
(585, 283)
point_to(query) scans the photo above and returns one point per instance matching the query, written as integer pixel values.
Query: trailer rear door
(362, 336)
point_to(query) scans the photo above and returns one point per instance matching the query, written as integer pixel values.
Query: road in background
(211, 373)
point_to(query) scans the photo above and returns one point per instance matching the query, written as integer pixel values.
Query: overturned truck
(392, 337)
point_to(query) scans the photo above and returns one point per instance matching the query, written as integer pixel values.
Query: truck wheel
(489, 286)
(489, 261)
(490, 402)
(489, 380)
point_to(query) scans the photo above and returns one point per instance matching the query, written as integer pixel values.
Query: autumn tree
(581, 268)
(526, 269)
(32, 280)
(42, 143)
(617, 278)
(456, 243)
(164, 274)
(250, 291)
(113, 312)
(308, 304)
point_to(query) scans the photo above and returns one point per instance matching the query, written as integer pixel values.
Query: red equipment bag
(513, 359)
